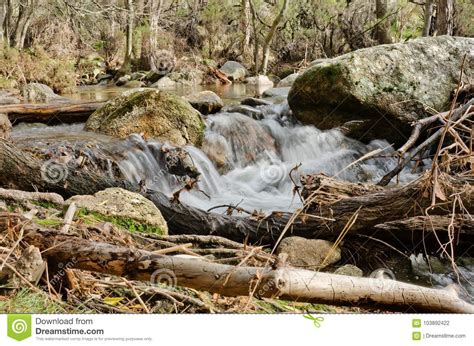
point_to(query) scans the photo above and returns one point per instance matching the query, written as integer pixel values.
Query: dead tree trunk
(324, 217)
(279, 282)
(50, 113)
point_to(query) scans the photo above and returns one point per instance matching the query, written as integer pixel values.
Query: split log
(21, 170)
(460, 224)
(51, 113)
(279, 282)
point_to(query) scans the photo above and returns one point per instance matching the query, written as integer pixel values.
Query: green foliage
(90, 217)
(27, 301)
(35, 65)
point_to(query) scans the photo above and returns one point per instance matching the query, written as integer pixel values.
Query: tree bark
(126, 67)
(50, 113)
(445, 17)
(429, 11)
(273, 282)
(382, 30)
(22, 171)
(268, 39)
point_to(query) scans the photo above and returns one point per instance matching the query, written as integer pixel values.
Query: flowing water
(259, 156)
(251, 163)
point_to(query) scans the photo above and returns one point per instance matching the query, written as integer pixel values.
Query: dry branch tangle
(282, 282)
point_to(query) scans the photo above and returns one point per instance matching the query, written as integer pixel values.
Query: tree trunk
(429, 11)
(127, 63)
(268, 39)
(256, 41)
(50, 113)
(245, 42)
(272, 282)
(20, 170)
(382, 30)
(445, 17)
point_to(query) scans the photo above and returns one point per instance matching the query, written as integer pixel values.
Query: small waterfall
(243, 161)
(247, 162)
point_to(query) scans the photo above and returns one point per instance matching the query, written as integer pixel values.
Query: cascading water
(252, 160)
(243, 161)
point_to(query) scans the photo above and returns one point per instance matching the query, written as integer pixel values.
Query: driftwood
(276, 282)
(51, 113)
(20, 170)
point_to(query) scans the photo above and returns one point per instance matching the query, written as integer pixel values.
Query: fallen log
(51, 113)
(20, 170)
(273, 282)
(460, 224)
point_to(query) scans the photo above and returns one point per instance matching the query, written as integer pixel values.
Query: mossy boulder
(156, 114)
(124, 208)
(386, 87)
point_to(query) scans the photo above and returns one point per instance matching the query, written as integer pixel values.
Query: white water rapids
(258, 155)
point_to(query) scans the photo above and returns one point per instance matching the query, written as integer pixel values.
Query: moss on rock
(156, 114)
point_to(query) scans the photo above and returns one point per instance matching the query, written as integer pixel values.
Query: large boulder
(5, 126)
(312, 254)
(37, 92)
(234, 70)
(124, 208)
(155, 114)
(206, 102)
(386, 87)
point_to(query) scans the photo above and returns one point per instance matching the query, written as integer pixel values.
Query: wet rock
(138, 76)
(178, 162)
(37, 92)
(254, 102)
(389, 85)
(288, 80)
(349, 270)
(187, 76)
(249, 111)
(129, 209)
(123, 80)
(164, 83)
(312, 254)
(104, 77)
(258, 80)
(276, 92)
(5, 127)
(133, 84)
(229, 136)
(234, 70)
(155, 114)
(206, 102)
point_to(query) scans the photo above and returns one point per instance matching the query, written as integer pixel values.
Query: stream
(260, 154)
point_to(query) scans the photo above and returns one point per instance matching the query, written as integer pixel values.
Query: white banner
(208, 330)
